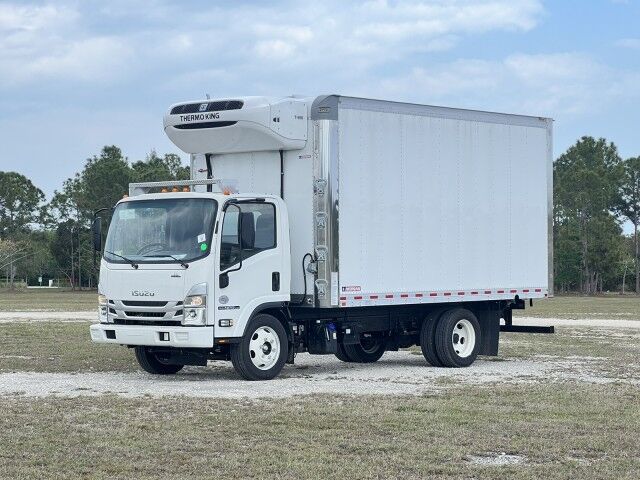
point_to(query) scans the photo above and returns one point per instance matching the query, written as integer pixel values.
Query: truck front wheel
(369, 350)
(262, 351)
(457, 338)
(152, 363)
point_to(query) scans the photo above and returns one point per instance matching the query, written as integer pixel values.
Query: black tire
(369, 350)
(447, 347)
(150, 363)
(342, 355)
(242, 352)
(428, 338)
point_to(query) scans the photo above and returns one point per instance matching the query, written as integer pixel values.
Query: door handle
(275, 281)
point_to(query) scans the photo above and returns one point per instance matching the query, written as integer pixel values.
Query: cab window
(247, 229)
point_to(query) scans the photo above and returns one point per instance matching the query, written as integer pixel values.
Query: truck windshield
(172, 230)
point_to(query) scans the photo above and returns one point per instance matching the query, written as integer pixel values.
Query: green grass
(563, 431)
(571, 307)
(58, 347)
(47, 300)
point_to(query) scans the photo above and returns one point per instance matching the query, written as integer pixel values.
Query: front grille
(211, 107)
(142, 303)
(171, 323)
(145, 314)
(196, 126)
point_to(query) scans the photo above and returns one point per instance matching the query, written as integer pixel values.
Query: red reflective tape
(388, 296)
(359, 297)
(343, 298)
(526, 290)
(433, 294)
(447, 294)
(500, 291)
(460, 293)
(373, 297)
(487, 292)
(404, 295)
(418, 294)
(474, 293)
(538, 289)
(343, 304)
(514, 291)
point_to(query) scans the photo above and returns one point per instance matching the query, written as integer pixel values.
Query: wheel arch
(276, 310)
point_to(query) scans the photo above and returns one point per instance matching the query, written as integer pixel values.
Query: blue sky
(76, 75)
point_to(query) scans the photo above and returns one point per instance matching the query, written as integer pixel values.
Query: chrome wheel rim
(463, 338)
(264, 348)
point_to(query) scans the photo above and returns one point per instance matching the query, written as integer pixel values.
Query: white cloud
(276, 49)
(42, 43)
(544, 84)
(62, 42)
(30, 18)
(407, 19)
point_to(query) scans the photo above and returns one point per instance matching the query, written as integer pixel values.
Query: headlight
(102, 300)
(195, 311)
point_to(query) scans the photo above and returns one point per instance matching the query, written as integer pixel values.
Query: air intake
(216, 106)
(197, 126)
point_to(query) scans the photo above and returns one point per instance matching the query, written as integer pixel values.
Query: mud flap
(489, 332)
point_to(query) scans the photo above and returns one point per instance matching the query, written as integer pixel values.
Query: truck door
(253, 269)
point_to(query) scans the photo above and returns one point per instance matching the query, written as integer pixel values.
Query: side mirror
(224, 280)
(96, 229)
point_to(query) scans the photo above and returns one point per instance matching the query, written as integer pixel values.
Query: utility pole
(79, 255)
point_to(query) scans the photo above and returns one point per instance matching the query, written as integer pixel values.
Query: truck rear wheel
(262, 351)
(428, 338)
(457, 338)
(150, 362)
(369, 350)
(341, 354)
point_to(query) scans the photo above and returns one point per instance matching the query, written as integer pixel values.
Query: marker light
(103, 308)
(195, 301)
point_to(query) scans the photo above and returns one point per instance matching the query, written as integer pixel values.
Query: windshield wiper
(166, 255)
(133, 264)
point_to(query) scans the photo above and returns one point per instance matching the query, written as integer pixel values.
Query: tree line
(595, 192)
(40, 240)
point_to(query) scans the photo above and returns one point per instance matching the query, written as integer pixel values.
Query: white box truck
(329, 225)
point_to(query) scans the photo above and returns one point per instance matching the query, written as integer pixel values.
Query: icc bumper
(160, 336)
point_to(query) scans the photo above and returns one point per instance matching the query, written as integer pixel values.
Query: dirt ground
(548, 406)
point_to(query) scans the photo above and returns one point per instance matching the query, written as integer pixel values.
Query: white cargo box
(399, 203)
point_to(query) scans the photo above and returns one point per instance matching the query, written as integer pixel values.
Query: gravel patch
(397, 373)
(496, 459)
(580, 322)
(12, 317)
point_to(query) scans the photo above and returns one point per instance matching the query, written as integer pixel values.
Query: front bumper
(153, 335)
